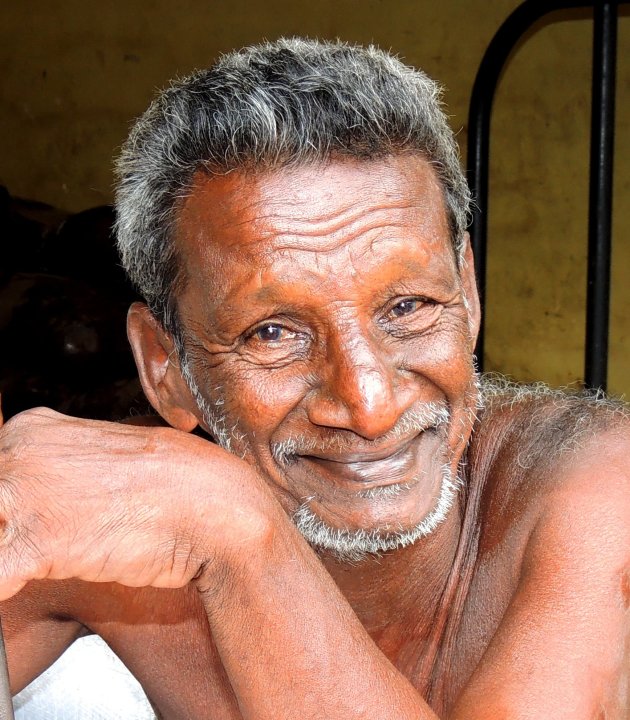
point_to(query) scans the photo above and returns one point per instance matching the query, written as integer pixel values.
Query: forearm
(36, 629)
(291, 644)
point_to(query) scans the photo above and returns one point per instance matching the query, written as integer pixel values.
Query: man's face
(327, 331)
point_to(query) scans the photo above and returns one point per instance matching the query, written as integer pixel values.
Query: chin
(354, 544)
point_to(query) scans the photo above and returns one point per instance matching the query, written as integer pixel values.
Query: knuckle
(21, 442)
(25, 420)
(16, 424)
(44, 413)
(15, 433)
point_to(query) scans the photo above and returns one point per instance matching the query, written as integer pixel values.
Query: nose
(361, 388)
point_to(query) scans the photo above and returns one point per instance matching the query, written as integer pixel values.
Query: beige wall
(538, 218)
(73, 77)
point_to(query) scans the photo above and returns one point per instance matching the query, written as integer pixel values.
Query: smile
(398, 464)
(359, 457)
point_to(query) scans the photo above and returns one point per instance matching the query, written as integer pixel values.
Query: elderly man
(368, 539)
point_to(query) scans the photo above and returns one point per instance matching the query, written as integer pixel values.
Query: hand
(103, 501)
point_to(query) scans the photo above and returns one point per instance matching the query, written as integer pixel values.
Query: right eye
(273, 344)
(272, 333)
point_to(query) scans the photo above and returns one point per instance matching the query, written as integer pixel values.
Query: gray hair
(290, 102)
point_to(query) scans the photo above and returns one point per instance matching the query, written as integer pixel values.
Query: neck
(400, 597)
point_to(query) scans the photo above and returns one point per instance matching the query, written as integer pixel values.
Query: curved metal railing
(601, 163)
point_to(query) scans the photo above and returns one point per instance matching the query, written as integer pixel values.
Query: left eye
(271, 333)
(405, 307)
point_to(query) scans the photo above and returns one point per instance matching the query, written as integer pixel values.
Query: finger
(1, 416)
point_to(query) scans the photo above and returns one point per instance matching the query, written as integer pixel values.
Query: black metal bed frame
(601, 162)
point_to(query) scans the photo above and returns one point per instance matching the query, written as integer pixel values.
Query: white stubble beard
(355, 545)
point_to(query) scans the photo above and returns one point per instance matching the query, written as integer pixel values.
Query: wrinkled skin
(329, 321)
(322, 304)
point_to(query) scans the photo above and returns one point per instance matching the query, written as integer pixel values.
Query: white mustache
(410, 423)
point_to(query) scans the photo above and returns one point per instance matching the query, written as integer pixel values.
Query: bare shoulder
(555, 462)
(554, 549)
(535, 448)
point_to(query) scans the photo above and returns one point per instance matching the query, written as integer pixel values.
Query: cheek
(445, 359)
(260, 400)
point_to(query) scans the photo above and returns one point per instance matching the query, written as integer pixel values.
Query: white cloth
(88, 682)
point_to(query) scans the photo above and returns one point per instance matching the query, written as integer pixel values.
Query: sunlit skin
(323, 303)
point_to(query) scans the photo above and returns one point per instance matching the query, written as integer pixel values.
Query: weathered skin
(183, 557)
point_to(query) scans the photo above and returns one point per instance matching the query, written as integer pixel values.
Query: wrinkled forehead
(337, 207)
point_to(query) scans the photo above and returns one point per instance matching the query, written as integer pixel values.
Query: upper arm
(562, 649)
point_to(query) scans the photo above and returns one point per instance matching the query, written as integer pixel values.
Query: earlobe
(469, 283)
(161, 380)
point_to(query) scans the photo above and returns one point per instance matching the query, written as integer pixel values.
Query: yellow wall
(73, 75)
(538, 218)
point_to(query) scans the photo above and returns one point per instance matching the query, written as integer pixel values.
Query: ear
(158, 368)
(469, 284)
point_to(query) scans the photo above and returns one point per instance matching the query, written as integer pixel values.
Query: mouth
(355, 471)
(361, 457)
(383, 466)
